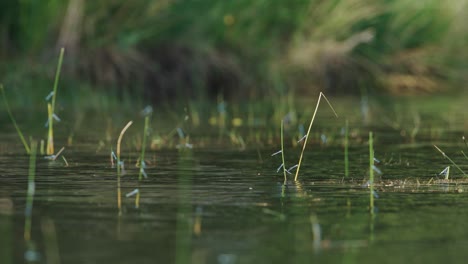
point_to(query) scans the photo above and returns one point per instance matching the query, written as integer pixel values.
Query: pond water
(229, 205)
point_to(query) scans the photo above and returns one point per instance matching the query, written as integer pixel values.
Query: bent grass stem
(119, 165)
(310, 128)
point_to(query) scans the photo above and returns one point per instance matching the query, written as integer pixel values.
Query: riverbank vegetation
(169, 49)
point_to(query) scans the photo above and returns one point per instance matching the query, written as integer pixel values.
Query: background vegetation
(241, 49)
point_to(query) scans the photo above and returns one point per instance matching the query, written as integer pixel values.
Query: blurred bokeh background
(162, 49)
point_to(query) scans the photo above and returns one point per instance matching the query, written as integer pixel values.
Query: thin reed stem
(282, 151)
(18, 131)
(50, 136)
(453, 163)
(143, 148)
(57, 76)
(51, 107)
(464, 155)
(119, 165)
(308, 131)
(346, 144)
(142, 159)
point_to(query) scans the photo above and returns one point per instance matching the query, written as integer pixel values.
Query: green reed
(282, 152)
(51, 107)
(147, 112)
(346, 145)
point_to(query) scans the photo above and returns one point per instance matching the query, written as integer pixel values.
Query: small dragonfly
(302, 139)
(55, 117)
(292, 168)
(445, 172)
(49, 96)
(130, 194)
(276, 153)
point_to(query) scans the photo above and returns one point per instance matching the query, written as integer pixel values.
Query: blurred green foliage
(279, 44)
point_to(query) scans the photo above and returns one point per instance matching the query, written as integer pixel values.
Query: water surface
(211, 204)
